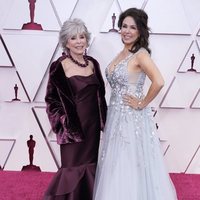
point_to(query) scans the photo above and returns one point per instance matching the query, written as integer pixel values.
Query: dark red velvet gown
(75, 179)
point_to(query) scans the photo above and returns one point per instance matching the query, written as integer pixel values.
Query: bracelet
(139, 103)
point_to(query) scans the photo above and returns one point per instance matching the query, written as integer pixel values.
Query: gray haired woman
(76, 109)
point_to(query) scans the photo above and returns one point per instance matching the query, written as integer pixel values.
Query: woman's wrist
(139, 105)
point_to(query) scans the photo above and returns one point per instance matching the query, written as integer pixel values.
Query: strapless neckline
(79, 76)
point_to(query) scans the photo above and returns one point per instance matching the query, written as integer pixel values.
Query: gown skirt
(131, 165)
(75, 179)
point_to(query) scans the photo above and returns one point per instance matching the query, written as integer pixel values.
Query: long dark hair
(141, 19)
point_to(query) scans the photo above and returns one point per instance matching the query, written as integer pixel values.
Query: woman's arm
(54, 107)
(151, 70)
(146, 64)
(61, 113)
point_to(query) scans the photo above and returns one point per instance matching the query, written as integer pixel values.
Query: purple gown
(75, 179)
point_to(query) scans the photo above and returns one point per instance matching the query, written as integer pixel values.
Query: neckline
(116, 65)
(79, 76)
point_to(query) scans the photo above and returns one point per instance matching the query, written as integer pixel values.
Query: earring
(85, 52)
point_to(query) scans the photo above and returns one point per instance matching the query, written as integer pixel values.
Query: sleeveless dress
(75, 179)
(130, 164)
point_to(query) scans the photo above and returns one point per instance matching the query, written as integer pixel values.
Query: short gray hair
(70, 28)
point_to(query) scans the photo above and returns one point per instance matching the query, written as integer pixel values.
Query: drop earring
(85, 52)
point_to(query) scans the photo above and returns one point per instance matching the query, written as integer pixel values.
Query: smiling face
(77, 44)
(129, 31)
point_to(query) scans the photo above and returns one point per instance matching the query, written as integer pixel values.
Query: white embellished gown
(130, 164)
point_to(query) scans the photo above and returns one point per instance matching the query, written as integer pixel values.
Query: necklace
(78, 63)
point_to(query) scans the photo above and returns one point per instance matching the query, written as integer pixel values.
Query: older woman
(76, 108)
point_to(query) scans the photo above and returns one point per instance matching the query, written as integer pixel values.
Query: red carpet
(31, 185)
(23, 185)
(187, 186)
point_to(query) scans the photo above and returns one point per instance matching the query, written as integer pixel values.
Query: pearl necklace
(78, 63)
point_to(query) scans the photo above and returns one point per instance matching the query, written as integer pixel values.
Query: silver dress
(130, 163)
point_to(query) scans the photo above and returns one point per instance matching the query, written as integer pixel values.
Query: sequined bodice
(122, 82)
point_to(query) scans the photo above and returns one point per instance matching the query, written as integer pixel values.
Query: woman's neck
(125, 51)
(129, 47)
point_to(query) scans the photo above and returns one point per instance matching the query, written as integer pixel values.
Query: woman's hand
(133, 102)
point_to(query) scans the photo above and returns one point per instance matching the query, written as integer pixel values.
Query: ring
(139, 103)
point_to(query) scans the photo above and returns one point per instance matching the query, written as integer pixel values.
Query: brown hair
(141, 19)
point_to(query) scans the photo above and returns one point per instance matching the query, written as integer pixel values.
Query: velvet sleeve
(65, 125)
(54, 106)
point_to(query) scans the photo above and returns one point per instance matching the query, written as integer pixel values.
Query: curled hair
(141, 19)
(71, 28)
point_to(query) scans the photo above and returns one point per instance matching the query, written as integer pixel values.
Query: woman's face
(77, 44)
(129, 31)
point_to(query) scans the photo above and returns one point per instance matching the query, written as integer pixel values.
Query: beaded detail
(78, 63)
(122, 83)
